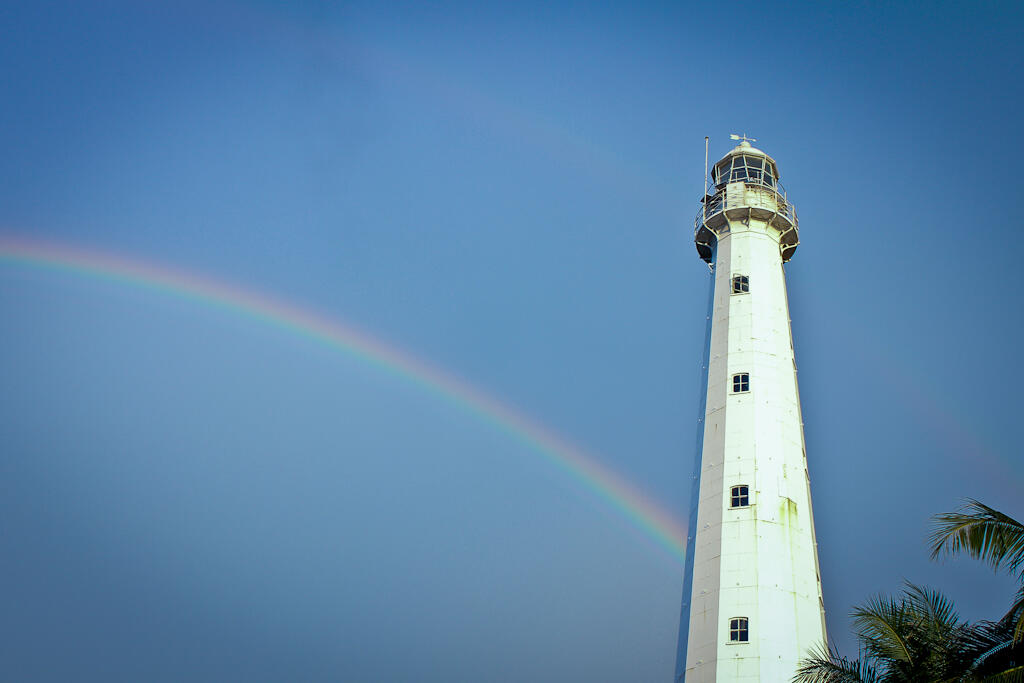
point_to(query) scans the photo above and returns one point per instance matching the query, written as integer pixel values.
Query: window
(738, 630)
(755, 165)
(754, 162)
(741, 382)
(740, 284)
(740, 497)
(754, 170)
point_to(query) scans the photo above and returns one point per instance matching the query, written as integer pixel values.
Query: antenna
(743, 137)
(704, 197)
(705, 166)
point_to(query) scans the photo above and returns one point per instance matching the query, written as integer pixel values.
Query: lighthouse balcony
(746, 201)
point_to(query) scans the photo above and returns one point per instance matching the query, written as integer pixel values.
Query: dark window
(741, 382)
(740, 497)
(740, 284)
(738, 630)
(722, 173)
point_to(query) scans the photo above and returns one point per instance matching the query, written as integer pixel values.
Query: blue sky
(507, 191)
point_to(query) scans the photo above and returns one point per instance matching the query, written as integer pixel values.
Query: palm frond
(825, 665)
(1014, 675)
(985, 645)
(935, 608)
(981, 532)
(882, 624)
(1016, 616)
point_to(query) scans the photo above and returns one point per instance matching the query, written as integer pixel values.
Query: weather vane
(742, 137)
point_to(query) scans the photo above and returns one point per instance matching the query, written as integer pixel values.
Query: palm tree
(918, 636)
(990, 536)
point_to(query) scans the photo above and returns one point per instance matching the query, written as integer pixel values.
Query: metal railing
(722, 201)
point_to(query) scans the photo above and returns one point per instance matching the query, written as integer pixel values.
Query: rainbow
(645, 515)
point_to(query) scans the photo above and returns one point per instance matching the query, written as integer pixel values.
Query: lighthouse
(752, 605)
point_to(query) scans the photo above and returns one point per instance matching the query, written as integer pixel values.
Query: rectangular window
(741, 382)
(739, 631)
(740, 284)
(739, 497)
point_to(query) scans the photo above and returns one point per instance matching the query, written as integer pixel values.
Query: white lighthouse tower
(752, 604)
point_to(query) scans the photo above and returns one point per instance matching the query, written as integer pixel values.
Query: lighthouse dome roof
(746, 148)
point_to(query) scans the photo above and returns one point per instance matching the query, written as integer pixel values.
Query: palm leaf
(986, 645)
(882, 625)
(935, 607)
(981, 532)
(1016, 616)
(827, 666)
(1014, 675)
(934, 633)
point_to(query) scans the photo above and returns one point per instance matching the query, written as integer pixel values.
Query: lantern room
(745, 187)
(747, 164)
